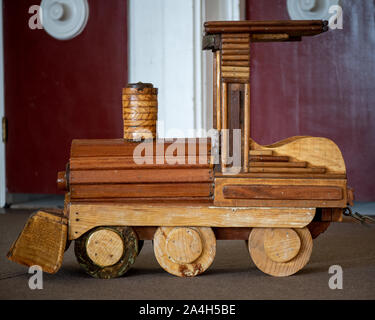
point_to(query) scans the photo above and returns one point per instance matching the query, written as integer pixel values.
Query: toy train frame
(278, 198)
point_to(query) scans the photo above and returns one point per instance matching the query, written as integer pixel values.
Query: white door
(165, 39)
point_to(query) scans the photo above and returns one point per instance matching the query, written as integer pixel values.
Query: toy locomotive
(185, 194)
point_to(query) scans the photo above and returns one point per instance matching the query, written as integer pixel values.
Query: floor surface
(232, 275)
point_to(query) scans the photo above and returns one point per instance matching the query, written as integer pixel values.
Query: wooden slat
(234, 35)
(221, 183)
(269, 158)
(232, 46)
(235, 80)
(105, 163)
(139, 176)
(235, 57)
(235, 69)
(245, 75)
(235, 40)
(144, 200)
(87, 216)
(264, 24)
(245, 63)
(140, 97)
(150, 190)
(289, 164)
(301, 30)
(282, 192)
(287, 170)
(262, 175)
(120, 147)
(261, 152)
(232, 52)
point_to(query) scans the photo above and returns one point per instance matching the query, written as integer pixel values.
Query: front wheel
(107, 252)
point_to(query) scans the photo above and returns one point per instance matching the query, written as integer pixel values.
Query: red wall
(56, 91)
(322, 86)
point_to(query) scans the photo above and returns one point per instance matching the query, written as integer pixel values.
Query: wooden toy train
(120, 192)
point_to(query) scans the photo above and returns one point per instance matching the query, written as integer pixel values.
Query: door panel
(59, 90)
(322, 86)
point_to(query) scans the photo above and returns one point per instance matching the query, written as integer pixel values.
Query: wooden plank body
(84, 216)
(104, 170)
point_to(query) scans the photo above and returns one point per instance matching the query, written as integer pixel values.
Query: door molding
(165, 39)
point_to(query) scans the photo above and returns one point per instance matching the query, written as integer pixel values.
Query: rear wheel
(107, 252)
(280, 252)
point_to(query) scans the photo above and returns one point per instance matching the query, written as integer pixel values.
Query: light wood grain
(105, 247)
(287, 170)
(243, 63)
(140, 109)
(231, 46)
(140, 97)
(318, 152)
(235, 40)
(130, 122)
(130, 103)
(184, 252)
(274, 268)
(42, 241)
(140, 91)
(261, 152)
(236, 74)
(281, 245)
(290, 164)
(183, 245)
(235, 69)
(85, 216)
(235, 57)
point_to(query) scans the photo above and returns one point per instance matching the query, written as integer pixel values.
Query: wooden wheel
(280, 252)
(184, 251)
(107, 252)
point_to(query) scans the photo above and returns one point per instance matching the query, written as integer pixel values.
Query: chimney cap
(140, 85)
